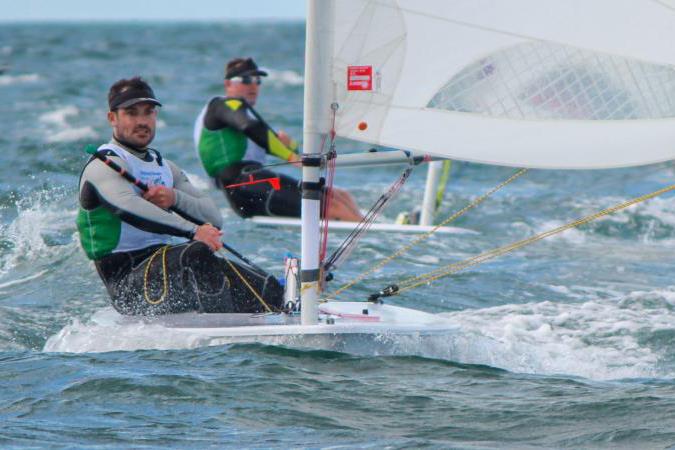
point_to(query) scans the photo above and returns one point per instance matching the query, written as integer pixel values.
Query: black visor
(132, 96)
(243, 67)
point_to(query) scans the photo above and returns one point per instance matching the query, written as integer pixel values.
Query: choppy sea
(568, 343)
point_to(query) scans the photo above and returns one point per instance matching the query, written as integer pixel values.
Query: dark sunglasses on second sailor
(247, 79)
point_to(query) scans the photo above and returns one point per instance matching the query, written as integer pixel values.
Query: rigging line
(371, 214)
(327, 197)
(348, 245)
(478, 259)
(426, 235)
(327, 194)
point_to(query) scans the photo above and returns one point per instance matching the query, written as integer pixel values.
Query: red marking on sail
(360, 78)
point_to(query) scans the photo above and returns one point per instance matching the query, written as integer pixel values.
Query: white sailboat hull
(343, 326)
(349, 226)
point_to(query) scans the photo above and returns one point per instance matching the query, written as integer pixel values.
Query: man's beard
(142, 141)
(130, 140)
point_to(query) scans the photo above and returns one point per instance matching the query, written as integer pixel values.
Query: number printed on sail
(360, 78)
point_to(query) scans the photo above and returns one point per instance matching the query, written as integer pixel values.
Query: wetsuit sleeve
(118, 196)
(234, 113)
(190, 202)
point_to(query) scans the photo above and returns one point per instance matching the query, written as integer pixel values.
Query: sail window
(540, 80)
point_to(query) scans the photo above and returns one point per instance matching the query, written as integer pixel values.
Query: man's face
(135, 124)
(237, 87)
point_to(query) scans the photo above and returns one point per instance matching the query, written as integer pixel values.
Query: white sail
(528, 83)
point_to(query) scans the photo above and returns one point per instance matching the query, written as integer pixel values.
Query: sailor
(131, 235)
(232, 142)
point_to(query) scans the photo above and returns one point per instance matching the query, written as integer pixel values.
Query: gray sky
(216, 10)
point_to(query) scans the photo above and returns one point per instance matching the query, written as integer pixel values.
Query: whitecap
(106, 331)
(37, 216)
(201, 183)
(428, 259)
(72, 134)
(23, 280)
(59, 116)
(572, 235)
(597, 339)
(284, 78)
(7, 80)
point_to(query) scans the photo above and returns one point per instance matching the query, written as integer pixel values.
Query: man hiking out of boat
(233, 141)
(131, 234)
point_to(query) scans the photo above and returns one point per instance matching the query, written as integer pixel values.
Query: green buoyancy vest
(221, 148)
(99, 231)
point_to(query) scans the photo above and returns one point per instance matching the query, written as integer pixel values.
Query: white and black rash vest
(113, 215)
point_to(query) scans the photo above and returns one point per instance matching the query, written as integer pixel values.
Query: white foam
(61, 130)
(23, 280)
(72, 134)
(428, 259)
(201, 183)
(601, 339)
(573, 235)
(659, 210)
(38, 215)
(8, 80)
(597, 339)
(59, 116)
(105, 332)
(284, 78)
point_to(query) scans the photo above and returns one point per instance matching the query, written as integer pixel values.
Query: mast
(316, 125)
(429, 202)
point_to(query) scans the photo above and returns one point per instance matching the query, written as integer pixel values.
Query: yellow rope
(250, 288)
(413, 282)
(165, 286)
(429, 233)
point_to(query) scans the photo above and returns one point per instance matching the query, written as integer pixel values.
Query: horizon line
(154, 21)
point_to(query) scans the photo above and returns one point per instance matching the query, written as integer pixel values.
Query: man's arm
(192, 203)
(234, 113)
(100, 184)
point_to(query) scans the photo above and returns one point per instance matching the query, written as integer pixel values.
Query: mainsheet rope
(165, 278)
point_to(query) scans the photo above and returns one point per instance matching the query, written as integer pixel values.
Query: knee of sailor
(199, 250)
(194, 254)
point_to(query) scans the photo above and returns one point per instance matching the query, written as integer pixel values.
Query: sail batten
(530, 83)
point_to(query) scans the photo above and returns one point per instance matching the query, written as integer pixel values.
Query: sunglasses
(247, 79)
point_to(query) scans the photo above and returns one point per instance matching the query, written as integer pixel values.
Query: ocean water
(568, 343)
